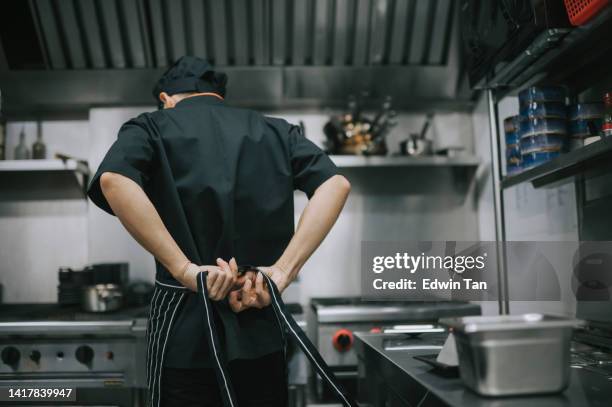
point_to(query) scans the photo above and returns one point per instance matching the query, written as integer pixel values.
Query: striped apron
(166, 301)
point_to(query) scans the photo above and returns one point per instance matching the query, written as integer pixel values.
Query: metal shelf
(43, 179)
(393, 175)
(565, 166)
(575, 57)
(354, 161)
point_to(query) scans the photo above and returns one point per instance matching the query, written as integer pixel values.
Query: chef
(205, 187)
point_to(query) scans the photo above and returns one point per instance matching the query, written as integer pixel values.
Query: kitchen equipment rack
(43, 179)
(577, 58)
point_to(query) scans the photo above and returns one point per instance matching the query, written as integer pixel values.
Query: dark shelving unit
(575, 57)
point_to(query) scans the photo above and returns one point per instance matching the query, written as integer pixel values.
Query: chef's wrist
(289, 270)
(179, 269)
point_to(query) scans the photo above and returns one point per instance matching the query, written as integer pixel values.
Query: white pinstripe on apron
(164, 305)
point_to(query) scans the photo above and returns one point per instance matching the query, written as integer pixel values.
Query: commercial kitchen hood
(278, 53)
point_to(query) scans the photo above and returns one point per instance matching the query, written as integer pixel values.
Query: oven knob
(342, 340)
(84, 354)
(35, 356)
(10, 355)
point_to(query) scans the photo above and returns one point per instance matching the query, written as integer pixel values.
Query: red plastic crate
(581, 11)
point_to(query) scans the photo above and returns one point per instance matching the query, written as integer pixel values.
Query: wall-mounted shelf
(43, 179)
(564, 166)
(355, 161)
(408, 175)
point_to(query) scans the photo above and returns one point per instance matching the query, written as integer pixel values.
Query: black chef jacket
(222, 180)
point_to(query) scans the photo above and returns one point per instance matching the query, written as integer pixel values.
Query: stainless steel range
(101, 355)
(334, 320)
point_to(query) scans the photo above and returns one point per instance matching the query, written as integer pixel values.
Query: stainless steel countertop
(392, 311)
(416, 380)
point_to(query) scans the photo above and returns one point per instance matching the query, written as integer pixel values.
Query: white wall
(38, 237)
(75, 233)
(334, 269)
(107, 239)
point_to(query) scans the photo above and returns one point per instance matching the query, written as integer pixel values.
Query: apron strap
(225, 385)
(286, 322)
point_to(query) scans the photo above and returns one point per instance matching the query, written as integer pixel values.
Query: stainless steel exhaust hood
(278, 52)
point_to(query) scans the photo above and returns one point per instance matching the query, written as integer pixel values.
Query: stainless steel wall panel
(196, 28)
(175, 29)
(219, 31)
(341, 32)
(51, 34)
(378, 31)
(362, 30)
(112, 33)
(440, 33)
(145, 32)
(63, 91)
(92, 40)
(71, 34)
(321, 31)
(134, 33)
(418, 36)
(400, 22)
(160, 53)
(240, 27)
(300, 32)
(260, 34)
(279, 32)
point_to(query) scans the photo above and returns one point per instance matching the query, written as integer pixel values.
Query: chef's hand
(255, 292)
(220, 279)
(278, 275)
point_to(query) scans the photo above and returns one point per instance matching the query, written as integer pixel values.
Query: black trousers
(257, 383)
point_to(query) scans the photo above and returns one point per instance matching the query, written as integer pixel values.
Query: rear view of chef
(204, 186)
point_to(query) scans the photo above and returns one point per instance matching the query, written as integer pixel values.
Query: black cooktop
(56, 312)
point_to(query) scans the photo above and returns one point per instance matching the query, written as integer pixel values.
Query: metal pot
(415, 145)
(102, 298)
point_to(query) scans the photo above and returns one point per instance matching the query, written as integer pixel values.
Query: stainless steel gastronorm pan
(513, 354)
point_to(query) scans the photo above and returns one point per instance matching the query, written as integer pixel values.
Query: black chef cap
(190, 74)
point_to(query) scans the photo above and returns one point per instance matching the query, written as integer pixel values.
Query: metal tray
(513, 354)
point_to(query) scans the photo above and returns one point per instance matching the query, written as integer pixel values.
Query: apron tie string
(286, 322)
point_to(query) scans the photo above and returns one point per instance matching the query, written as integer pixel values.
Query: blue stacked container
(513, 151)
(543, 124)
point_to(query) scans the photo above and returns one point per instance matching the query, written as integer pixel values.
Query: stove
(334, 320)
(101, 355)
